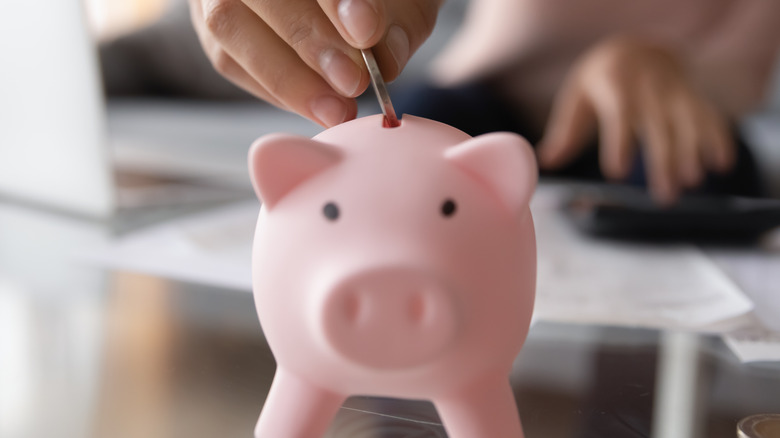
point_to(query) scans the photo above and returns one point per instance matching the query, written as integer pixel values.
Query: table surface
(89, 352)
(148, 357)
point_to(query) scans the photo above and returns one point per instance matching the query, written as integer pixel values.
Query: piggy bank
(396, 262)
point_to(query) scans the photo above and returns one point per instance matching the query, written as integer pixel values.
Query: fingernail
(329, 110)
(359, 18)
(398, 44)
(340, 71)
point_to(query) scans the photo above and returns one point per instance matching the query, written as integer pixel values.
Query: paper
(213, 248)
(580, 279)
(583, 279)
(754, 344)
(757, 272)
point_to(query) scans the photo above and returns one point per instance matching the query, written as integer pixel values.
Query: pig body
(393, 262)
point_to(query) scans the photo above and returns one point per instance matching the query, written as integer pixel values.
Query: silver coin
(379, 87)
(759, 426)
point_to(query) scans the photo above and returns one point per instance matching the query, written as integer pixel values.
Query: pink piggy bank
(394, 262)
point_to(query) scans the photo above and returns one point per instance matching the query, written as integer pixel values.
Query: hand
(630, 90)
(302, 55)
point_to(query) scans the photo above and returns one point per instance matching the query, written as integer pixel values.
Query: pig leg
(486, 410)
(296, 409)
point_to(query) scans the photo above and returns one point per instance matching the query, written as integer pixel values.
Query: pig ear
(278, 163)
(503, 162)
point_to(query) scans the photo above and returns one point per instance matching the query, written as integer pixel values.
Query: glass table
(140, 356)
(92, 352)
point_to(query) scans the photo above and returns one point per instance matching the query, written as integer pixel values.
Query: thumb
(394, 29)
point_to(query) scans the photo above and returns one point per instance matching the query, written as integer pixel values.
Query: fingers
(684, 139)
(410, 23)
(395, 29)
(700, 142)
(229, 68)
(302, 55)
(303, 26)
(571, 123)
(614, 112)
(682, 136)
(224, 63)
(362, 23)
(719, 151)
(704, 142)
(573, 119)
(688, 142)
(638, 91)
(658, 133)
(274, 64)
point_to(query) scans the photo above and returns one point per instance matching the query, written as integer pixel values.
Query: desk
(88, 352)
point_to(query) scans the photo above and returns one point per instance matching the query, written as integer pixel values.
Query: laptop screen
(52, 120)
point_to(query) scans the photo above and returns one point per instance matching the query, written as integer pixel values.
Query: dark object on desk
(626, 213)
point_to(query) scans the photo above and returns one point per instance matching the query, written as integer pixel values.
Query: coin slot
(386, 123)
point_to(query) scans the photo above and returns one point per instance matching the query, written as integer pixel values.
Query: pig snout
(391, 318)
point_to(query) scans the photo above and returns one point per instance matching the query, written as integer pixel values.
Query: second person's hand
(302, 55)
(629, 90)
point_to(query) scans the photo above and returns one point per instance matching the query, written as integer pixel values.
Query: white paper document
(213, 248)
(589, 280)
(757, 273)
(754, 344)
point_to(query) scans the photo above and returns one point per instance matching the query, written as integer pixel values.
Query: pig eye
(448, 208)
(331, 211)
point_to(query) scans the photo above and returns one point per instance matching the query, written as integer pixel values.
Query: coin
(391, 120)
(759, 426)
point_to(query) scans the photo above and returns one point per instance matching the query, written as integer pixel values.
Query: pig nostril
(417, 307)
(352, 305)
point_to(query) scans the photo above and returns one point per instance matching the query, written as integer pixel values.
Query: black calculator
(630, 213)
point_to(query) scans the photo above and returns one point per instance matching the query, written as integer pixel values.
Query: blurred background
(126, 217)
(163, 94)
(108, 18)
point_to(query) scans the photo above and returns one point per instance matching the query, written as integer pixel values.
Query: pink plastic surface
(394, 262)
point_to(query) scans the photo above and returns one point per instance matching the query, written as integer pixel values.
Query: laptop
(55, 149)
(52, 117)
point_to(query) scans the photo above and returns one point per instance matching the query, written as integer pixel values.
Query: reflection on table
(149, 357)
